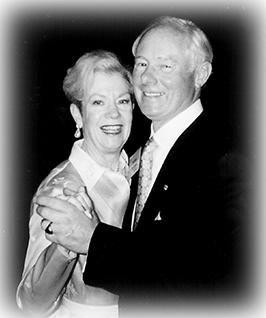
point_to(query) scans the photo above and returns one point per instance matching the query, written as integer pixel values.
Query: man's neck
(156, 125)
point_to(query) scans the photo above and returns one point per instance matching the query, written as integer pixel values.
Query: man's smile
(153, 94)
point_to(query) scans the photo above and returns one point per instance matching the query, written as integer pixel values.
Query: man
(186, 244)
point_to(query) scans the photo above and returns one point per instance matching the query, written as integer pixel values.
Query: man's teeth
(153, 94)
(111, 129)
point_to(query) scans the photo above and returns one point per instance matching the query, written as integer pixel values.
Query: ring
(49, 230)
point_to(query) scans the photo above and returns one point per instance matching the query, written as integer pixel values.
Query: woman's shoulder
(63, 175)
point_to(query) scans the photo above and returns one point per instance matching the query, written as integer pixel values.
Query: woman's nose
(149, 77)
(113, 111)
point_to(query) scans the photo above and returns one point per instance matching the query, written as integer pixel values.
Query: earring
(77, 133)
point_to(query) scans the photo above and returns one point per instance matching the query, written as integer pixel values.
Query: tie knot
(150, 145)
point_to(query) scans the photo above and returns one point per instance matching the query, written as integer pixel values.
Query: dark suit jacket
(196, 249)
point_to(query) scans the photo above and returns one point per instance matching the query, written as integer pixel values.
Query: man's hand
(72, 228)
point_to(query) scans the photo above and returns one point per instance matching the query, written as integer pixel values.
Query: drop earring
(77, 133)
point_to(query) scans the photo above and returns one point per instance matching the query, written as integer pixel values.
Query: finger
(78, 201)
(48, 214)
(44, 224)
(62, 197)
(53, 203)
(68, 191)
(82, 189)
(84, 198)
(49, 229)
(51, 191)
(54, 209)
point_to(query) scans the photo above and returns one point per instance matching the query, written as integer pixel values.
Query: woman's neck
(108, 160)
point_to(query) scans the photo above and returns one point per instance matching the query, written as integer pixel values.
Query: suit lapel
(173, 166)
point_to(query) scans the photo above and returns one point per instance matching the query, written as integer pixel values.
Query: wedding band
(49, 230)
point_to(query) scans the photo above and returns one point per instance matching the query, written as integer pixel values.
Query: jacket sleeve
(109, 255)
(199, 250)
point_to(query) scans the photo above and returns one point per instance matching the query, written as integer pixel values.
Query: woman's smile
(112, 129)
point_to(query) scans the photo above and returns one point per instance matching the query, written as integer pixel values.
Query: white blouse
(109, 191)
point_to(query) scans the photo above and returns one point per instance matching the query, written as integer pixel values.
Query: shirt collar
(90, 170)
(168, 133)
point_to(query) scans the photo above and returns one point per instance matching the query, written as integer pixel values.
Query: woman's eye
(124, 101)
(97, 102)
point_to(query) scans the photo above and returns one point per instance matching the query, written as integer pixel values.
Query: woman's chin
(113, 145)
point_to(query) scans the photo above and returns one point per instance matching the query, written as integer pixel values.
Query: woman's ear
(202, 74)
(75, 112)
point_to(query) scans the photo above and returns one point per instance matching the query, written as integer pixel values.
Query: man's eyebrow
(163, 58)
(139, 57)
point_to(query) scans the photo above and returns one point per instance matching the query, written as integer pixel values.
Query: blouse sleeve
(40, 255)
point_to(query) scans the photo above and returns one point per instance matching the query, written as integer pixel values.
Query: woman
(100, 91)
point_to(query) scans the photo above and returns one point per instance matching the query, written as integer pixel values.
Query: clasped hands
(72, 217)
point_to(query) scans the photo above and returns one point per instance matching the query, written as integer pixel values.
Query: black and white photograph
(132, 164)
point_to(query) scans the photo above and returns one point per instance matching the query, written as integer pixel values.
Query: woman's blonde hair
(78, 78)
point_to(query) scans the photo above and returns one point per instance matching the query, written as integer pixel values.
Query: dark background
(45, 43)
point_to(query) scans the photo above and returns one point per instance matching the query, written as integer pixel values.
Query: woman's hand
(79, 198)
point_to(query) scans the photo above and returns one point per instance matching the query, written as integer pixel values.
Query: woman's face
(106, 114)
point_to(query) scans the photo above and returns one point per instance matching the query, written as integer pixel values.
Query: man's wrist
(67, 253)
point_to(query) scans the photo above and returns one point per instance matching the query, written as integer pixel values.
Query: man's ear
(75, 112)
(202, 74)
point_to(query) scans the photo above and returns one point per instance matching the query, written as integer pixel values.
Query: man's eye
(140, 64)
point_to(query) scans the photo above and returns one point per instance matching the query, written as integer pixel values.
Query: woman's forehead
(105, 81)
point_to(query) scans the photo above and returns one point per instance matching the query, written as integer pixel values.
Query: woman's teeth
(111, 129)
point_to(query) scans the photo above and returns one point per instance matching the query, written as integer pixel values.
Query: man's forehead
(161, 46)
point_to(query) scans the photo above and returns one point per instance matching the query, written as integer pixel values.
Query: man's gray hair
(199, 45)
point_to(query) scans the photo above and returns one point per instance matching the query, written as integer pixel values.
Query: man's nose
(149, 76)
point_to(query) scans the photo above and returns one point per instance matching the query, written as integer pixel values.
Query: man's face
(163, 85)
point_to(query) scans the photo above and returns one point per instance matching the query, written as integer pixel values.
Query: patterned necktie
(145, 176)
